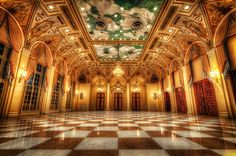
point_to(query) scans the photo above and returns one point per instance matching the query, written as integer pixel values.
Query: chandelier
(118, 70)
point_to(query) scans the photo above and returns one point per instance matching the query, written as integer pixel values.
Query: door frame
(100, 102)
(120, 101)
(184, 104)
(134, 95)
(204, 97)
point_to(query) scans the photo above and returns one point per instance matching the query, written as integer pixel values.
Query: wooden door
(180, 100)
(100, 101)
(205, 98)
(167, 102)
(118, 101)
(136, 102)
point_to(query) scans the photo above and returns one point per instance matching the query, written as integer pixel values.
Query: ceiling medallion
(101, 25)
(137, 25)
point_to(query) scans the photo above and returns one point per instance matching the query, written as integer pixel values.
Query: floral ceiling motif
(118, 19)
(118, 52)
(150, 34)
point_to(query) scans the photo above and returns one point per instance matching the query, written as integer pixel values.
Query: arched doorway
(224, 42)
(205, 97)
(37, 77)
(198, 76)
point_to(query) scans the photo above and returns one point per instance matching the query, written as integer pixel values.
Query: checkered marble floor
(117, 133)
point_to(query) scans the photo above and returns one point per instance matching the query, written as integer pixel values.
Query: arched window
(40, 59)
(33, 89)
(58, 85)
(57, 93)
(70, 96)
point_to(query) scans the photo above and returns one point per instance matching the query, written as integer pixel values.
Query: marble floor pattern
(117, 134)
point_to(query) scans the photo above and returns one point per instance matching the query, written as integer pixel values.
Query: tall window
(56, 93)
(69, 100)
(5, 56)
(33, 90)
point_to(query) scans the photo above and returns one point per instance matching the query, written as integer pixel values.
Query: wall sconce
(168, 89)
(215, 74)
(154, 96)
(22, 75)
(76, 92)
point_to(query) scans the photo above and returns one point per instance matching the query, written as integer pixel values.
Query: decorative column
(128, 96)
(108, 96)
(221, 99)
(188, 92)
(64, 97)
(48, 93)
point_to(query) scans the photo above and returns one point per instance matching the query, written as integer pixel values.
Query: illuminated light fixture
(121, 31)
(122, 8)
(154, 54)
(168, 89)
(82, 8)
(88, 26)
(67, 30)
(51, 7)
(118, 70)
(215, 74)
(155, 9)
(77, 92)
(149, 26)
(170, 30)
(72, 38)
(165, 38)
(23, 75)
(186, 7)
(115, 15)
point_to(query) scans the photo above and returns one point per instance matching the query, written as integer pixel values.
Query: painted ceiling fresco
(119, 19)
(118, 52)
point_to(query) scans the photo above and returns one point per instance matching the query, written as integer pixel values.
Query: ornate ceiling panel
(150, 33)
(118, 19)
(118, 52)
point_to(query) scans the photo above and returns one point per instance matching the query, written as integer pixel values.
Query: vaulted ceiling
(145, 35)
